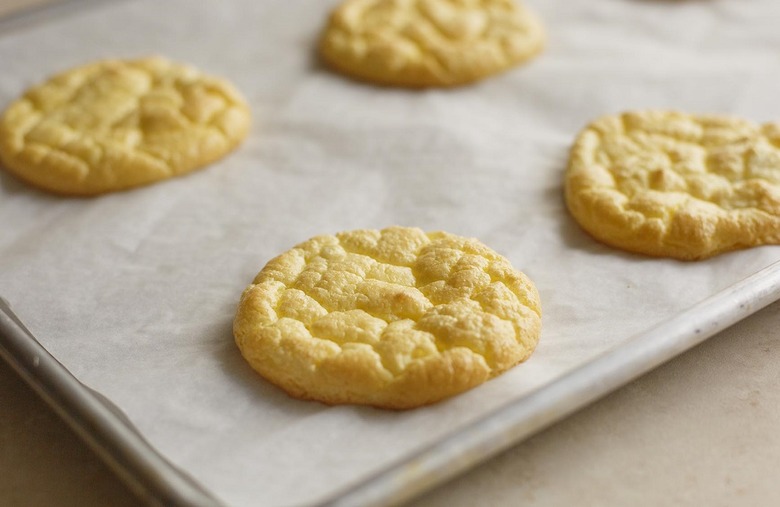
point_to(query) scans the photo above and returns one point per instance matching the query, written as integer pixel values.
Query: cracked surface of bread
(671, 184)
(425, 43)
(117, 124)
(396, 318)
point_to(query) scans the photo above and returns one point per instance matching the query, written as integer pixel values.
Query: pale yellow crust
(426, 43)
(117, 124)
(395, 318)
(676, 185)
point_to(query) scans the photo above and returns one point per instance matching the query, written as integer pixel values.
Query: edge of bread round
(395, 318)
(429, 43)
(671, 184)
(117, 124)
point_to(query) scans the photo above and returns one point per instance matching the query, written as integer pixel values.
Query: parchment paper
(135, 292)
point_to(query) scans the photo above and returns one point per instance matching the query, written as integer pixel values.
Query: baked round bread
(423, 43)
(117, 124)
(671, 184)
(395, 318)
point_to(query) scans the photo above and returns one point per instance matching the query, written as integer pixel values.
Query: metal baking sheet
(132, 294)
(158, 482)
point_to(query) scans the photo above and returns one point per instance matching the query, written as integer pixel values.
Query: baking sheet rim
(552, 402)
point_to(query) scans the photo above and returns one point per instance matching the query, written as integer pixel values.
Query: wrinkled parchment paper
(135, 292)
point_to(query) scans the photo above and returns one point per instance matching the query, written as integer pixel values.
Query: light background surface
(134, 292)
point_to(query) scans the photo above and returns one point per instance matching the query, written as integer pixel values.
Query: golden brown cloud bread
(676, 185)
(395, 318)
(421, 43)
(117, 124)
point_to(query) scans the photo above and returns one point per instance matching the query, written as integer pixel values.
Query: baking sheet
(134, 292)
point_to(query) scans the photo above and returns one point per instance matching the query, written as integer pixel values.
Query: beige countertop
(700, 430)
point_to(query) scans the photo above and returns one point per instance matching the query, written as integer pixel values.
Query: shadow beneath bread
(576, 238)
(252, 383)
(12, 185)
(257, 387)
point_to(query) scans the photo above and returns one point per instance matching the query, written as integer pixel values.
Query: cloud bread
(116, 124)
(395, 318)
(678, 185)
(423, 43)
